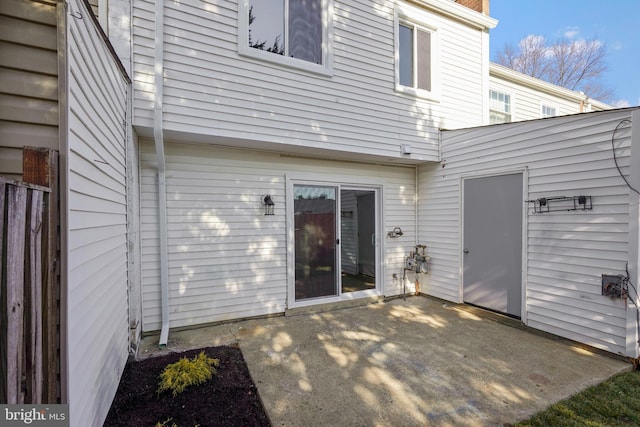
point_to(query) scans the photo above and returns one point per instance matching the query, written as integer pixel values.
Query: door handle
(465, 250)
(373, 239)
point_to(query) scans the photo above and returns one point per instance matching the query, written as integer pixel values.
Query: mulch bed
(230, 398)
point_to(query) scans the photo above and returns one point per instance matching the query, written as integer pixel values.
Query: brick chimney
(481, 6)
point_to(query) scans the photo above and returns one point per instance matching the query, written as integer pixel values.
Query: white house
(257, 165)
(514, 96)
(224, 123)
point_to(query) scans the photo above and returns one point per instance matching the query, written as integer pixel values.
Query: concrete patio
(417, 362)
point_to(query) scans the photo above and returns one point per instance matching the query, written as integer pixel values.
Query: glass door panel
(358, 240)
(315, 241)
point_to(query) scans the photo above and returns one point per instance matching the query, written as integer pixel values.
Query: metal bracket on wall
(561, 203)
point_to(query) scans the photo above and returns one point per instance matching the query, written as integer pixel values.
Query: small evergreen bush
(187, 372)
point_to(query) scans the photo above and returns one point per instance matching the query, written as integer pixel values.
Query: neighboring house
(515, 97)
(258, 165)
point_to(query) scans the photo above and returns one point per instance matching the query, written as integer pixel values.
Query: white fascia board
(462, 13)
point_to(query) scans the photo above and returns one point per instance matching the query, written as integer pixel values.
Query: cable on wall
(615, 159)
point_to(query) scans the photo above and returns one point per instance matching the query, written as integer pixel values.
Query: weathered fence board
(33, 299)
(23, 214)
(50, 286)
(3, 303)
(16, 220)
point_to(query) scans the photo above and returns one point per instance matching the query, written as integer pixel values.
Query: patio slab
(413, 362)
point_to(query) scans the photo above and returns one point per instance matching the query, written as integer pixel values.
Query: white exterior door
(492, 248)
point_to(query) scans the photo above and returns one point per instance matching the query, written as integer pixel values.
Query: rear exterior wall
(227, 260)
(212, 91)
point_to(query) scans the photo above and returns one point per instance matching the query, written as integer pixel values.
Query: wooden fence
(29, 297)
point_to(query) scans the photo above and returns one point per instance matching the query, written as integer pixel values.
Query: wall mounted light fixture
(397, 232)
(268, 204)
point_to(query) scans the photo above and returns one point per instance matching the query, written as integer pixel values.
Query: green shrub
(166, 423)
(187, 372)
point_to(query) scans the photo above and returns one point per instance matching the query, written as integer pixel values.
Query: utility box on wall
(612, 286)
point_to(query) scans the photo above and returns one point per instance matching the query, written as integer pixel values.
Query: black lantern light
(268, 204)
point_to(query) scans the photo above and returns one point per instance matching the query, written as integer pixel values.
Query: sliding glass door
(335, 243)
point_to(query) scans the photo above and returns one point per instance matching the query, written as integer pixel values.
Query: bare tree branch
(574, 64)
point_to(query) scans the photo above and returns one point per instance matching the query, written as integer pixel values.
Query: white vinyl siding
(227, 260)
(97, 320)
(527, 101)
(213, 94)
(28, 81)
(567, 252)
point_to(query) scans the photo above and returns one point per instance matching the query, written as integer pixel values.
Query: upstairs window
(290, 32)
(416, 49)
(499, 107)
(548, 111)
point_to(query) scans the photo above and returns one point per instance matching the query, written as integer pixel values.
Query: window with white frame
(499, 107)
(291, 32)
(548, 111)
(416, 49)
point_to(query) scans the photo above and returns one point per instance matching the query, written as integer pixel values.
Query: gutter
(162, 180)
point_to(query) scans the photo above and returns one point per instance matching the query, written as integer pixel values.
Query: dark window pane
(315, 241)
(405, 47)
(424, 60)
(266, 25)
(305, 30)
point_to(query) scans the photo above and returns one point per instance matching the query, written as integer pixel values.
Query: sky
(614, 22)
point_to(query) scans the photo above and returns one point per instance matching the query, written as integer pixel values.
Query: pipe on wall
(162, 181)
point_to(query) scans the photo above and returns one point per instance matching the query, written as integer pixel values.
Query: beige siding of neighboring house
(212, 92)
(227, 260)
(96, 299)
(28, 81)
(567, 252)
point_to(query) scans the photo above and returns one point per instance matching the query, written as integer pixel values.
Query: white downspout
(633, 332)
(416, 207)
(162, 181)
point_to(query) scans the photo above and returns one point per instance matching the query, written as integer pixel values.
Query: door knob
(466, 251)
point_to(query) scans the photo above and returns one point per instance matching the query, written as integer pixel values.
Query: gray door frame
(525, 191)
